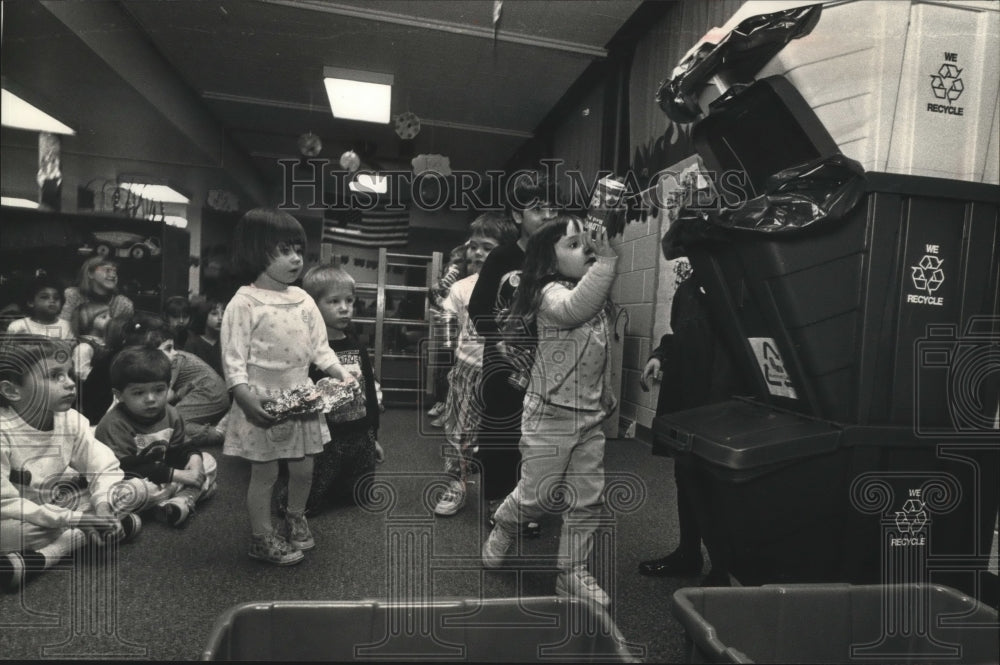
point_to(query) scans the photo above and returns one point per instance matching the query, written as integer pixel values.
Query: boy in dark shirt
(533, 204)
(347, 464)
(147, 436)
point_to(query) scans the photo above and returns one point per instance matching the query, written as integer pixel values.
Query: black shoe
(677, 563)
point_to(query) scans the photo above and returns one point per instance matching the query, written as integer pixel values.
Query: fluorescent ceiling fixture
(158, 193)
(17, 113)
(368, 182)
(15, 202)
(357, 95)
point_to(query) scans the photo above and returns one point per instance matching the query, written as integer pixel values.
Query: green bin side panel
(849, 303)
(837, 623)
(491, 630)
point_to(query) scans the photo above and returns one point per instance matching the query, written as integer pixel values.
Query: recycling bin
(487, 630)
(909, 88)
(866, 319)
(767, 487)
(836, 623)
(781, 497)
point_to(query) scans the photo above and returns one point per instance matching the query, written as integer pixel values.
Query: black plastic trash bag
(739, 55)
(806, 196)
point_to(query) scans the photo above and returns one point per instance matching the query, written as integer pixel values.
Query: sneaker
(12, 571)
(272, 548)
(297, 527)
(131, 526)
(436, 410)
(209, 491)
(173, 511)
(579, 583)
(452, 500)
(496, 547)
(528, 529)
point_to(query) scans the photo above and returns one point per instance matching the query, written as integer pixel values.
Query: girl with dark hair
(271, 333)
(563, 297)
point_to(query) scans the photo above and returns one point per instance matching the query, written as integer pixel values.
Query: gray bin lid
(742, 435)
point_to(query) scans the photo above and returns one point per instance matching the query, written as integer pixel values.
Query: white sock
(68, 541)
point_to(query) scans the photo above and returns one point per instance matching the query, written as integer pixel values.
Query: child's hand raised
(596, 238)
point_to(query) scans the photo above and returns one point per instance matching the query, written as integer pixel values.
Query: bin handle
(685, 440)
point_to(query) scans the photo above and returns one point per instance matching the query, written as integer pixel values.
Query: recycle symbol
(946, 84)
(912, 518)
(927, 275)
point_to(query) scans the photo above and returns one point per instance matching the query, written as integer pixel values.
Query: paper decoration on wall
(49, 175)
(377, 227)
(407, 125)
(310, 144)
(431, 163)
(222, 200)
(350, 161)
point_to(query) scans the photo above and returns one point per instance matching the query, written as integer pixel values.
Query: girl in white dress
(271, 332)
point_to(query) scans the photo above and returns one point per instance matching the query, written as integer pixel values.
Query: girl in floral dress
(271, 332)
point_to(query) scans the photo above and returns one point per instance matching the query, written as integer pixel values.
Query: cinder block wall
(636, 290)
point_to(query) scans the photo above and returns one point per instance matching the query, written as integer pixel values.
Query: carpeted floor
(160, 599)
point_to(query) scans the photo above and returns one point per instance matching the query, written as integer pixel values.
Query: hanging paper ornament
(438, 164)
(407, 125)
(350, 161)
(310, 144)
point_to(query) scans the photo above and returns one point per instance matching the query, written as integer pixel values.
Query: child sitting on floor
(147, 435)
(90, 322)
(44, 300)
(57, 482)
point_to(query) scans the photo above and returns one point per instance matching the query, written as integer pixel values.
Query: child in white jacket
(58, 484)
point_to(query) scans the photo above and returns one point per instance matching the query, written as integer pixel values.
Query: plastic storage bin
(865, 319)
(491, 630)
(903, 87)
(836, 624)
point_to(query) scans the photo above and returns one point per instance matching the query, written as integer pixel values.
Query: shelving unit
(399, 327)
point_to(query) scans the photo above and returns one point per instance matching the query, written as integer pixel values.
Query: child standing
(43, 300)
(90, 321)
(346, 465)
(46, 449)
(147, 436)
(563, 294)
(456, 269)
(463, 406)
(532, 204)
(271, 332)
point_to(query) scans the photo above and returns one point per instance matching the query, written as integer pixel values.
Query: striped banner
(367, 228)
